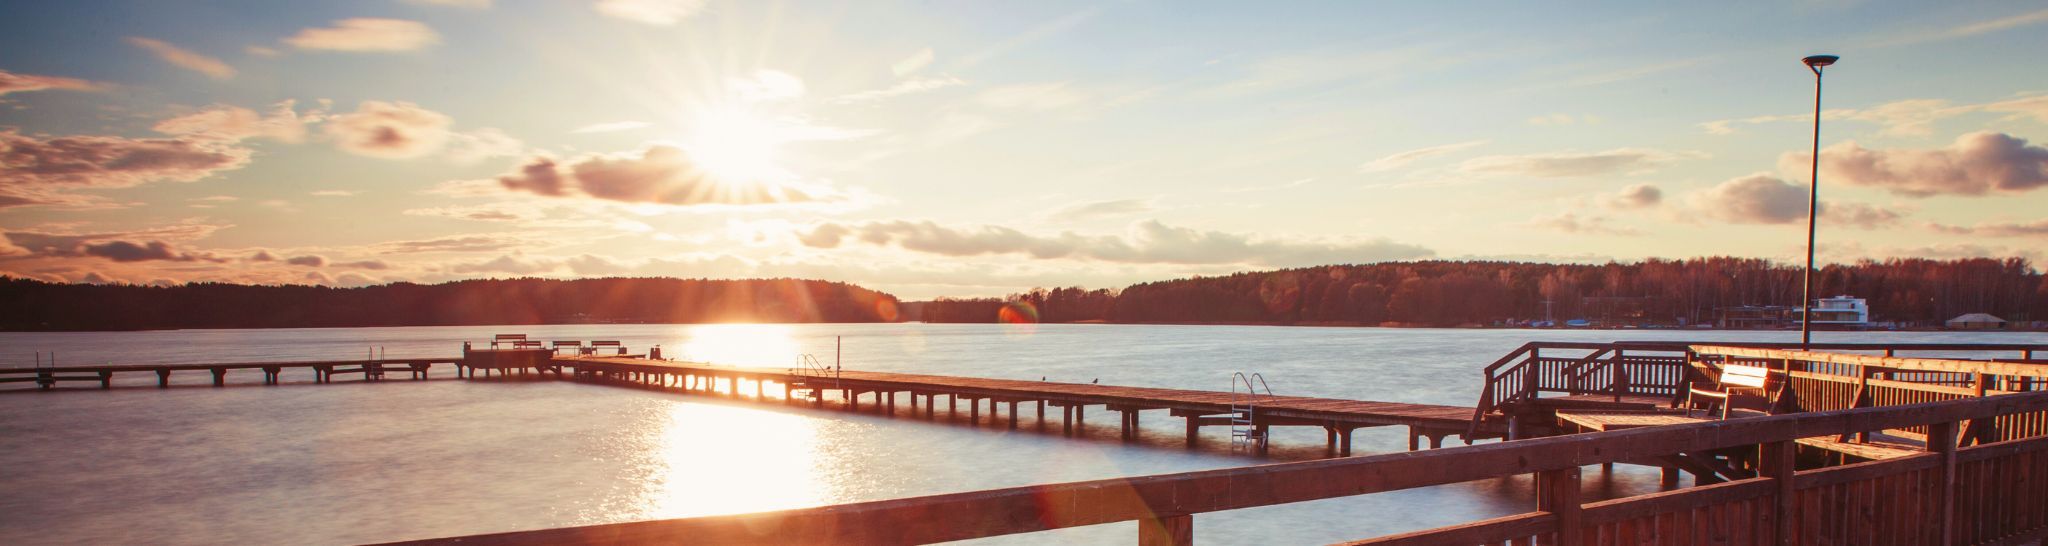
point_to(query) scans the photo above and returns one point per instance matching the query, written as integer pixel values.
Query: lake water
(349, 462)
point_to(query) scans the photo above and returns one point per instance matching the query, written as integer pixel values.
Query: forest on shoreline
(41, 306)
(1902, 292)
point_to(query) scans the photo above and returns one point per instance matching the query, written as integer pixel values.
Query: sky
(963, 149)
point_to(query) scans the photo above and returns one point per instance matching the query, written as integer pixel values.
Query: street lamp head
(1818, 61)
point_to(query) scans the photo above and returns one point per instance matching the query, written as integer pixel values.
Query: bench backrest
(509, 337)
(604, 344)
(561, 344)
(522, 344)
(1741, 375)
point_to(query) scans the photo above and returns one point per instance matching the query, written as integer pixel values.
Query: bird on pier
(1041, 378)
(1095, 381)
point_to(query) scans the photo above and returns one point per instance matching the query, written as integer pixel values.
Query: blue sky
(953, 148)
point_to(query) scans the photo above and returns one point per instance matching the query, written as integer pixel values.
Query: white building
(1841, 310)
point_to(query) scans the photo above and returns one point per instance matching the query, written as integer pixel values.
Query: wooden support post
(1344, 439)
(1167, 531)
(974, 411)
(757, 388)
(1777, 461)
(1194, 429)
(1557, 492)
(1041, 414)
(931, 406)
(1123, 424)
(163, 378)
(220, 377)
(952, 405)
(1013, 415)
(1941, 438)
(1668, 478)
(890, 407)
(852, 400)
(1265, 438)
(1414, 442)
(1080, 420)
(106, 380)
(1066, 420)
(1330, 441)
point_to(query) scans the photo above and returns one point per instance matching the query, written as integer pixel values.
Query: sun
(736, 145)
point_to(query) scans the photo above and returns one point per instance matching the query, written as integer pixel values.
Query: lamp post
(1814, 63)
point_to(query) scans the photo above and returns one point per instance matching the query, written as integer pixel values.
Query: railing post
(1618, 380)
(1776, 461)
(1557, 492)
(1167, 531)
(1941, 438)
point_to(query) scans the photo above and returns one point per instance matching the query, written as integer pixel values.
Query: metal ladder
(812, 375)
(1245, 391)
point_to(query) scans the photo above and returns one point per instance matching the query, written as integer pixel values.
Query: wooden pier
(323, 371)
(1199, 408)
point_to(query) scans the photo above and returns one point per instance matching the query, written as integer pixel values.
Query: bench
(577, 347)
(1736, 380)
(506, 339)
(523, 344)
(596, 345)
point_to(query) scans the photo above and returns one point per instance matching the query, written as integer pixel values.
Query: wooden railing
(1659, 368)
(1831, 381)
(1934, 492)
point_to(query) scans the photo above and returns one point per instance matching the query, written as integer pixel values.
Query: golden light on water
(763, 345)
(728, 460)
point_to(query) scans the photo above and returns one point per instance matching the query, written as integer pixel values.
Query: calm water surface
(301, 463)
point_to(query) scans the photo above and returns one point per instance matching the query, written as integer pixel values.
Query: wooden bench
(1736, 380)
(619, 348)
(576, 345)
(523, 344)
(506, 339)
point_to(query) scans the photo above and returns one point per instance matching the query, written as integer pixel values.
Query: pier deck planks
(1336, 412)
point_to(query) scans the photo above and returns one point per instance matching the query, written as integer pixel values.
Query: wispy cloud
(17, 83)
(609, 127)
(366, 34)
(1100, 209)
(1402, 159)
(185, 59)
(650, 12)
(1145, 242)
(1911, 117)
(1575, 164)
(913, 63)
(1964, 31)
(906, 87)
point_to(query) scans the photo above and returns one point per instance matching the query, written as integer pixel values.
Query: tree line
(1452, 293)
(38, 305)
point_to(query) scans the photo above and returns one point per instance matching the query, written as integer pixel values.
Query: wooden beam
(1167, 531)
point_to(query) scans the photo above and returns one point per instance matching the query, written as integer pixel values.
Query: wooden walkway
(1338, 417)
(323, 370)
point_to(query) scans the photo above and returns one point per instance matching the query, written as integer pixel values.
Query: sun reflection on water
(728, 460)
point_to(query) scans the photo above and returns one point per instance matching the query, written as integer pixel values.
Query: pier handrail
(1513, 377)
(1165, 503)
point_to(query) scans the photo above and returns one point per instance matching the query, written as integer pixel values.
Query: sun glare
(766, 345)
(736, 145)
